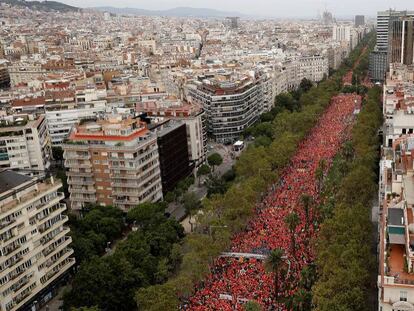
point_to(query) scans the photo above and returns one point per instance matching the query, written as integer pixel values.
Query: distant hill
(178, 12)
(42, 5)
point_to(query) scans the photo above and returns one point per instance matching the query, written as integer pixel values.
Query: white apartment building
(34, 241)
(341, 33)
(24, 143)
(25, 72)
(61, 119)
(231, 105)
(313, 67)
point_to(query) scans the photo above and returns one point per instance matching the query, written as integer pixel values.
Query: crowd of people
(233, 281)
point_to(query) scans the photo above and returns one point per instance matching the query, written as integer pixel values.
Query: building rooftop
(10, 180)
(395, 217)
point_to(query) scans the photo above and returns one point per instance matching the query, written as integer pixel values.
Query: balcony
(22, 297)
(123, 168)
(52, 213)
(6, 223)
(65, 254)
(76, 156)
(46, 240)
(58, 223)
(75, 147)
(122, 192)
(64, 266)
(77, 164)
(85, 190)
(125, 185)
(24, 281)
(11, 249)
(16, 275)
(124, 176)
(79, 174)
(79, 198)
(65, 241)
(80, 181)
(53, 201)
(126, 201)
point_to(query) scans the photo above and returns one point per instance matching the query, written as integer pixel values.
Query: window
(403, 296)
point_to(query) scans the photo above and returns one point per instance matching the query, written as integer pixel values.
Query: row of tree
(148, 256)
(226, 214)
(94, 230)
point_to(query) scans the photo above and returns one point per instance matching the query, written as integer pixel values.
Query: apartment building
(396, 226)
(34, 241)
(192, 115)
(379, 59)
(24, 143)
(398, 103)
(401, 40)
(22, 73)
(113, 161)
(62, 118)
(396, 193)
(314, 67)
(231, 104)
(4, 74)
(173, 153)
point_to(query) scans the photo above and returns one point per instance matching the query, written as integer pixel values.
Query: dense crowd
(233, 281)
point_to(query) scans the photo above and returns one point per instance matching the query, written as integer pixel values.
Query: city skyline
(260, 8)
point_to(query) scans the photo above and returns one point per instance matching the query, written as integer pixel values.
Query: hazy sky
(276, 8)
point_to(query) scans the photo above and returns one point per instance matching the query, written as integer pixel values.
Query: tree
(202, 171)
(191, 204)
(292, 220)
(306, 201)
(158, 297)
(252, 306)
(286, 101)
(94, 308)
(305, 85)
(144, 214)
(274, 263)
(169, 197)
(215, 184)
(320, 173)
(302, 300)
(214, 160)
(57, 154)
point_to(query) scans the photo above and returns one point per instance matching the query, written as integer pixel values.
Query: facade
(396, 193)
(112, 162)
(4, 75)
(61, 119)
(173, 153)
(314, 67)
(24, 143)
(401, 40)
(24, 73)
(193, 116)
(359, 20)
(34, 241)
(230, 105)
(342, 33)
(378, 62)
